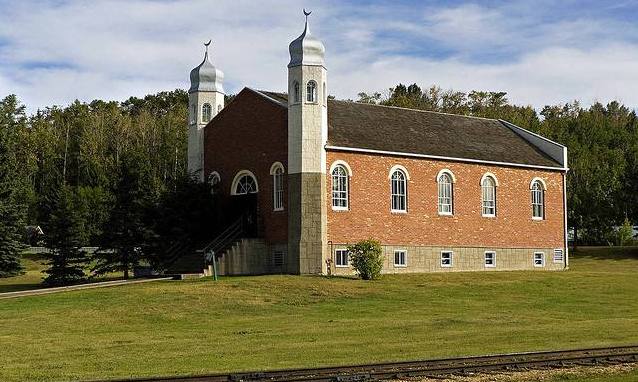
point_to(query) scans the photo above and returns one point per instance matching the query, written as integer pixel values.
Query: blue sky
(539, 52)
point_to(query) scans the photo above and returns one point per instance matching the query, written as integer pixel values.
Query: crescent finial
(306, 13)
(206, 44)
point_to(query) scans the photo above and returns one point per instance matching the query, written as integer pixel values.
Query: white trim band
(437, 157)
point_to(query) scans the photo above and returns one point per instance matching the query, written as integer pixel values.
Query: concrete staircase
(187, 260)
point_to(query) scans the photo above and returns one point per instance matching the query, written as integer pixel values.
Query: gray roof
(399, 130)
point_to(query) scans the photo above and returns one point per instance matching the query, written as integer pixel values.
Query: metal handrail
(224, 239)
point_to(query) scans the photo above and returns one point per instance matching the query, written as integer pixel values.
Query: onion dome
(206, 78)
(306, 49)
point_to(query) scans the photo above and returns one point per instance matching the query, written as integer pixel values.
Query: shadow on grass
(6, 288)
(606, 253)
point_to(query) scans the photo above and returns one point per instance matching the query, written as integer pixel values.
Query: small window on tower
(206, 112)
(219, 108)
(325, 93)
(311, 92)
(296, 91)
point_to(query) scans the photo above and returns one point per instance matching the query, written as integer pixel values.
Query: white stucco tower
(205, 100)
(307, 138)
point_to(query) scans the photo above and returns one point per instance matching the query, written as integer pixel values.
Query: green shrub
(625, 234)
(366, 258)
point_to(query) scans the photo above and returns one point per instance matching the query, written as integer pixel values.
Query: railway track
(428, 368)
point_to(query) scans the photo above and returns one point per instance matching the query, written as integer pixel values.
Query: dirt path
(36, 292)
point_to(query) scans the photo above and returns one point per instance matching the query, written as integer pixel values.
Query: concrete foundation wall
(421, 259)
(254, 257)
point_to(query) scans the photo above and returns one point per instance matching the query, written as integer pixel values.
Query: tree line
(113, 175)
(98, 174)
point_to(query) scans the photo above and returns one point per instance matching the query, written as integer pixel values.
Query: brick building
(301, 176)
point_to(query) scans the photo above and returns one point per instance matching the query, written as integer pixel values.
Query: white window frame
(311, 92)
(395, 192)
(493, 253)
(537, 192)
(484, 188)
(451, 253)
(542, 258)
(207, 115)
(214, 180)
(237, 179)
(278, 188)
(561, 258)
(338, 194)
(405, 258)
(441, 190)
(339, 252)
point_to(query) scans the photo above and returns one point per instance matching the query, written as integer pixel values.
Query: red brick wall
(369, 214)
(250, 133)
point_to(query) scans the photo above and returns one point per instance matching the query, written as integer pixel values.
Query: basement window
(446, 259)
(341, 258)
(490, 259)
(539, 259)
(558, 255)
(400, 258)
(278, 258)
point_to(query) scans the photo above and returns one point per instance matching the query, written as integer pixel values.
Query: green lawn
(201, 326)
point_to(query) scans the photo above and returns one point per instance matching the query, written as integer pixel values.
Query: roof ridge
(263, 94)
(388, 106)
(418, 110)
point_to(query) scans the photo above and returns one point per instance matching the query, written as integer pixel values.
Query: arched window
(339, 188)
(398, 191)
(311, 91)
(244, 183)
(446, 194)
(325, 93)
(219, 108)
(538, 200)
(277, 172)
(206, 112)
(488, 187)
(296, 91)
(214, 180)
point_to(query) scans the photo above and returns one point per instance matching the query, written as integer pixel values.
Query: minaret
(307, 137)
(205, 100)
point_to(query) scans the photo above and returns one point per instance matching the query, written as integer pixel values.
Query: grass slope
(33, 264)
(268, 322)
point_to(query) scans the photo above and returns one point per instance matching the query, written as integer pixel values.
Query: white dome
(306, 50)
(205, 77)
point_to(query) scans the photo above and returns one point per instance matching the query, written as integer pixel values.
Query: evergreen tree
(66, 259)
(126, 229)
(12, 229)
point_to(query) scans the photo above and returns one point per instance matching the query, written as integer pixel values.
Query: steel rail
(431, 368)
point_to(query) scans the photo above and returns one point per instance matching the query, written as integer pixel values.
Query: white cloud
(551, 76)
(115, 49)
